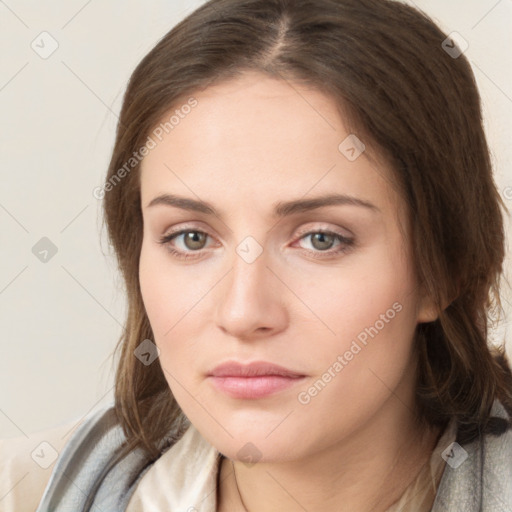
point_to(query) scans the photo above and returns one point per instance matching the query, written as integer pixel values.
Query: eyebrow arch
(281, 209)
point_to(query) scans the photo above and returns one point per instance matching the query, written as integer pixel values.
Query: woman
(301, 201)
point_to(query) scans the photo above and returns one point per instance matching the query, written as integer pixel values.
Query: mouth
(252, 381)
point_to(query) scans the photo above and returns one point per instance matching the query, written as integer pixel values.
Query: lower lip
(254, 387)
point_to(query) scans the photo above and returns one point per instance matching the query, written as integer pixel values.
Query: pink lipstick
(254, 380)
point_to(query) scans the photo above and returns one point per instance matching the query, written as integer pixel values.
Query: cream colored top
(184, 478)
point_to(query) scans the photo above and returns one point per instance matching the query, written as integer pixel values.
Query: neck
(365, 471)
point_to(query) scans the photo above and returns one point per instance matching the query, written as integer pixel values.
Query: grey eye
(322, 241)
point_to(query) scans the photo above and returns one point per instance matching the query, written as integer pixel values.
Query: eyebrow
(281, 209)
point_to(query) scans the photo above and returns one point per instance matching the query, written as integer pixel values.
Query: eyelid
(314, 228)
(347, 242)
(186, 227)
(325, 227)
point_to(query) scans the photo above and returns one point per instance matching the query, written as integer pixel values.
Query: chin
(251, 442)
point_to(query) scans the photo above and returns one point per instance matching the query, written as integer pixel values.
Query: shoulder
(497, 470)
(478, 475)
(81, 460)
(497, 453)
(26, 463)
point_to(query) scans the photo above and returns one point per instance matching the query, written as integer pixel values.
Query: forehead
(259, 139)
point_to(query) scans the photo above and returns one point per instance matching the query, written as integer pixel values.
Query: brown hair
(408, 100)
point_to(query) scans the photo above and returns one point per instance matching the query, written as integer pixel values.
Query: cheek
(364, 342)
(174, 300)
(164, 297)
(169, 293)
(368, 297)
(165, 310)
(359, 368)
(366, 339)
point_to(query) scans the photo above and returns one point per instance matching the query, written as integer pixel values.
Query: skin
(249, 144)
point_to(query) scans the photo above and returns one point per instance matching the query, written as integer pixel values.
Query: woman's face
(253, 278)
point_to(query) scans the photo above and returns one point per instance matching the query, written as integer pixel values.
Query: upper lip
(256, 368)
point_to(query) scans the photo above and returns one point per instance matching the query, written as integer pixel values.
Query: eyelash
(345, 244)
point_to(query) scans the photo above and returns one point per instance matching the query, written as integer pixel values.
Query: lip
(254, 380)
(254, 369)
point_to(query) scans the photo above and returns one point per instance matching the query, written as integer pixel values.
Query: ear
(428, 311)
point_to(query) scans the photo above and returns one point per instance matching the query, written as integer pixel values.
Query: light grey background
(60, 320)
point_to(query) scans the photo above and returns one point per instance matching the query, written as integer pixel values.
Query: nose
(251, 301)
